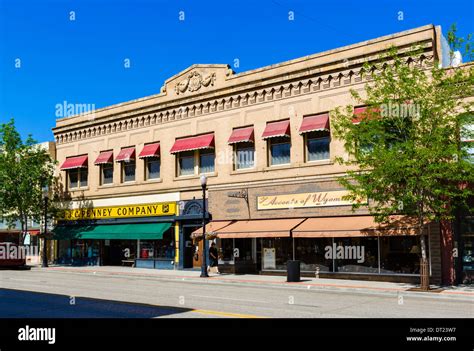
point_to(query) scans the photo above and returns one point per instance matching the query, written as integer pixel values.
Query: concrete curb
(395, 292)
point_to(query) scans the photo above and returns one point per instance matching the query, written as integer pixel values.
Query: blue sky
(82, 61)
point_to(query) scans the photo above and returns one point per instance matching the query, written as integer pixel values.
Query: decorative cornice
(350, 73)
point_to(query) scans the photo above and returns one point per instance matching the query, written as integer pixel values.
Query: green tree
(25, 169)
(406, 154)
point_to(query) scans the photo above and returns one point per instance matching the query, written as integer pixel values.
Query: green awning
(143, 231)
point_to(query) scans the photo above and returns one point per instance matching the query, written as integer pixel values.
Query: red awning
(241, 135)
(75, 162)
(126, 155)
(363, 112)
(314, 123)
(105, 157)
(150, 150)
(205, 141)
(277, 129)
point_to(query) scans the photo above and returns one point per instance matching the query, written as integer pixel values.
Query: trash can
(293, 271)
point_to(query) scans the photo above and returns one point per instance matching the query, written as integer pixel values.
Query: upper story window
(76, 171)
(315, 129)
(126, 157)
(242, 140)
(106, 163)
(279, 142)
(194, 155)
(151, 155)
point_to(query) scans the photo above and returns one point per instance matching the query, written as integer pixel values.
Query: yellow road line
(226, 314)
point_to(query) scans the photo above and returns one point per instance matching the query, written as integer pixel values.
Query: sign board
(304, 200)
(127, 211)
(269, 260)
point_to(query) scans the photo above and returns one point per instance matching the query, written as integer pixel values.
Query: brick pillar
(448, 273)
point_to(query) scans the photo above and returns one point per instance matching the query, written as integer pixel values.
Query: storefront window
(275, 253)
(163, 248)
(400, 254)
(226, 249)
(355, 255)
(467, 249)
(311, 253)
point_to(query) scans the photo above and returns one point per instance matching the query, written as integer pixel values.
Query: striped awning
(150, 150)
(277, 129)
(205, 141)
(315, 123)
(126, 155)
(74, 162)
(105, 157)
(241, 135)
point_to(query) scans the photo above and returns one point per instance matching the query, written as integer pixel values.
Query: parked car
(11, 255)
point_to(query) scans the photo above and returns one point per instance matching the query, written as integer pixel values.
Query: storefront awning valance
(126, 155)
(277, 129)
(241, 135)
(211, 227)
(259, 228)
(106, 157)
(354, 226)
(150, 150)
(205, 141)
(315, 123)
(143, 231)
(74, 162)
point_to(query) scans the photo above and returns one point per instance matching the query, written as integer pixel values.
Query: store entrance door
(189, 249)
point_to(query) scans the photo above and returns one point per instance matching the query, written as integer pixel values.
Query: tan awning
(355, 226)
(264, 228)
(211, 227)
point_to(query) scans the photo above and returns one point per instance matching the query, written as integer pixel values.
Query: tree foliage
(406, 155)
(25, 169)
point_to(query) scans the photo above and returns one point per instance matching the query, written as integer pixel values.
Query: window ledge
(155, 180)
(316, 163)
(243, 170)
(279, 167)
(195, 176)
(106, 186)
(86, 188)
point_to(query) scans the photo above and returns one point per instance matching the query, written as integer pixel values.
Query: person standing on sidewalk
(213, 259)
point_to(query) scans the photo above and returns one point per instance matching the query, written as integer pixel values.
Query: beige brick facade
(212, 98)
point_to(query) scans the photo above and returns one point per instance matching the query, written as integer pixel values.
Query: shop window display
(400, 255)
(360, 255)
(311, 253)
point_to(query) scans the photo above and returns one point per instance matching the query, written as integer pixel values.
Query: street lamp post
(45, 242)
(204, 263)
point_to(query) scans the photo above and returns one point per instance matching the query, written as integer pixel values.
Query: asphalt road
(48, 294)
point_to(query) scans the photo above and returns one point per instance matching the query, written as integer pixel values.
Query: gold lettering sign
(127, 211)
(319, 199)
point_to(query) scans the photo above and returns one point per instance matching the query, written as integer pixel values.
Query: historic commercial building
(263, 137)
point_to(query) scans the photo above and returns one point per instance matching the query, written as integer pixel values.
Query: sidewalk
(341, 285)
